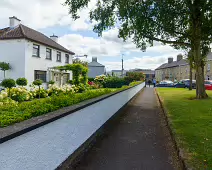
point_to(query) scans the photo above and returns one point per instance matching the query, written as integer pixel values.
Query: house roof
(145, 71)
(181, 62)
(95, 64)
(22, 31)
(172, 64)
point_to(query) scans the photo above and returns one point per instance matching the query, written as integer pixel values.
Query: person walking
(149, 82)
(154, 82)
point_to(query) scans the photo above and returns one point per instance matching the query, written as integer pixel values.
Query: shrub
(38, 83)
(20, 94)
(16, 113)
(70, 82)
(90, 79)
(51, 82)
(114, 82)
(21, 82)
(8, 83)
(134, 76)
(38, 92)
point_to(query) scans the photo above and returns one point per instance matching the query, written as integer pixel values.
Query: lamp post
(122, 67)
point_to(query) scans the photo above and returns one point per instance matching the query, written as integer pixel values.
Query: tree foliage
(78, 61)
(8, 83)
(4, 67)
(78, 70)
(38, 83)
(22, 82)
(184, 24)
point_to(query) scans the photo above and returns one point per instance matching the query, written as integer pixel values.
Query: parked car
(187, 83)
(208, 84)
(180, 84)
(165, 83)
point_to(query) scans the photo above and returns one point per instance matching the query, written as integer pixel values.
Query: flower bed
(13, 112)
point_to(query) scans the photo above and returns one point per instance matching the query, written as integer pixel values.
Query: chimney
(170, 60)
(14, 21)
(179, 57)
(94, 59)
(54, 38)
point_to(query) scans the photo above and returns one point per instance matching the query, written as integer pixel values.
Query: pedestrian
(145, 82)
(154, 82)
(149, 82)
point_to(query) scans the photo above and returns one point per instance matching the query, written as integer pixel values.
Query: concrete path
(139, 141)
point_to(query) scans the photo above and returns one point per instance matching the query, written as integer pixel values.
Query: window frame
(50, 51)
(38, 77)
(67, 57)
(209, 67)
(58, 52)
(38, 50)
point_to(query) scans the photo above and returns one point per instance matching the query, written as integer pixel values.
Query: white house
(32, 55)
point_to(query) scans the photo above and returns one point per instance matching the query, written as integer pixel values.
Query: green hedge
(10, 114)
(115, 82)
(14, 113)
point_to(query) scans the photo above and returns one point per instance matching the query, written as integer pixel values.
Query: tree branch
(168, 42)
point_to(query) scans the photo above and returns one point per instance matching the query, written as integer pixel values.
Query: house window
(36, 50)
(59, 56)
(209, 67)
(67, 58)
(40, 75)
(48, 53)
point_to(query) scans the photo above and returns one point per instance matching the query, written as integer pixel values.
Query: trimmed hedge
(10, 114)
(115, 82)
(14, 113)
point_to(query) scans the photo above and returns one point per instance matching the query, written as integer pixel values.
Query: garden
(191, 124)
(20, 101)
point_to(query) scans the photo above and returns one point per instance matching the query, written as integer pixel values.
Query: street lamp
(122, 70)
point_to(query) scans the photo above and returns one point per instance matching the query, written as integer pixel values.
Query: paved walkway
(139, 141)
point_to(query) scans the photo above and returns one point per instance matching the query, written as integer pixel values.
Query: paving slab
(139, 140)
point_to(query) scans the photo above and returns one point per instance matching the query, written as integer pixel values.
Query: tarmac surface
(140, 140)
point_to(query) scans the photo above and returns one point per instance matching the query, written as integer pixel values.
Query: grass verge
(191, 123)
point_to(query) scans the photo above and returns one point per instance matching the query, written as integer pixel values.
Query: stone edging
(18, 129)
(178, 149)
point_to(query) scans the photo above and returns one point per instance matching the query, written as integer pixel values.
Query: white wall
(12, 52)
(48, 146)
(34, 63)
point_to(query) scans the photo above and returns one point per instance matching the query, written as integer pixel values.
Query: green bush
(90, 79)
(8, 83)
(51, 82)
(22, 82)
(134, 76)
(38, 83)
(11, 114)
(114, 82)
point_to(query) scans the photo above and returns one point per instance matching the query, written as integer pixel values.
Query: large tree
(184, 24)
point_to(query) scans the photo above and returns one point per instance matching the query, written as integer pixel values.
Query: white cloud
(39, 14)
(43, 13)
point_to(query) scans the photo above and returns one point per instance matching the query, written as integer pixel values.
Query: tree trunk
(200, 86)
(190, 77)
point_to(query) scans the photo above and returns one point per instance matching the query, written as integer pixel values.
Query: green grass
(191, 122)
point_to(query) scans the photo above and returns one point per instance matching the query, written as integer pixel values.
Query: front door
(57, 79)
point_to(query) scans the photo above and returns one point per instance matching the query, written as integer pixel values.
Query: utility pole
(122, 71)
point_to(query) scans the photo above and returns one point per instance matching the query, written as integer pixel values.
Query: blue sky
(50, 17)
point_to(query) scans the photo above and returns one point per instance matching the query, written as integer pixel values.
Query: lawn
(191, 122)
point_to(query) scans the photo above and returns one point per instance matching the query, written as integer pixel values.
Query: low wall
(46, 147)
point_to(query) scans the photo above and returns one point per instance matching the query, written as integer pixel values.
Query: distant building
(118, 73)
(150, 74)
(180, 69)
(95, 68)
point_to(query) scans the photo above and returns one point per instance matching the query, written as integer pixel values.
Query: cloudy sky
(51, 17)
